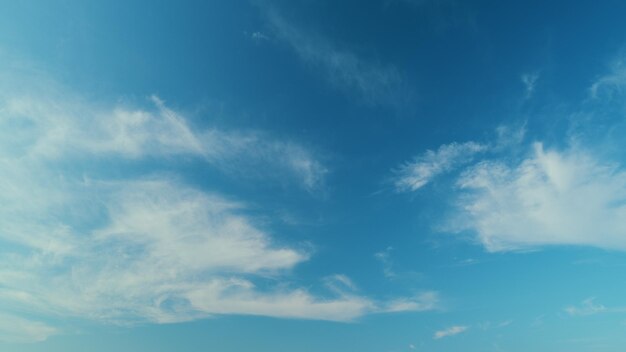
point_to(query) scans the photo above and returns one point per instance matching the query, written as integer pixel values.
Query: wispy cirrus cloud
(72, 127)
(521, 194)
(612, 83)
(451, 331)
(82, 242)
(415, 174)
(373, 82)
(590, 306)
(587, 307)
(384, 258)
(530, 81)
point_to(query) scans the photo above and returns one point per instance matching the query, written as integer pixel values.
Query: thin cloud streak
(78, 243)
(424, 168)
(589, 307)
(451, 331)
(74, 128)
(374, 83)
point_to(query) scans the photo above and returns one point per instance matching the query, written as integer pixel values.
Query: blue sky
(381, 176)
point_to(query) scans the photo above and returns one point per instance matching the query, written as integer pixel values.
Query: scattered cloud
(587, 307)
(384, 258)
(515, 195)
(424, 168)
(18, 330)
(451, 331)
(512, 196)
(550, 197)
(530, 80)
(611, 84)
(590, 307)
(374, 83)
(71, 127)
(257, 36)
(82, 240)
(423, 302)
(494, 325)
(509, 136)
(340, 283)
(538, 320)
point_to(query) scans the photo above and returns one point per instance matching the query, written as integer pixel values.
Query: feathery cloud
(451, 331)
(549, 197)
(375, 83)
(82, 239)
(530, 81)
(587, 307)
(611, 84)
(424, 168)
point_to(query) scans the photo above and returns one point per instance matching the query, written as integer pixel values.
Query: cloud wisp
(84, 239)
(513, 194)
(70, 127)
(589, 307)
(415, 174)
(530, 82)
(451, 331)
(611, 84)
(374, 83)
(539, 197)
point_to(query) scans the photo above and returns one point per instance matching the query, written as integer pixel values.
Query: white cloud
(297, 303)
(612, 83)
(550, 197)
(239, 298)
(530, 81)
(374, 83)
(140, 246)
(494, 325)
(451, 331)
(340, 283)
(161, 244)
(258, 36)
(416, 174)
(590, 307)
(512, 198)
(509, 136)
(17, 330)
(72, 127)
(422, 302)
(383, 257)
(188, 228)
(587, 307)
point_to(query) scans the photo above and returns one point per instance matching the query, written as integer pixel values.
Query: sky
(376, 176)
